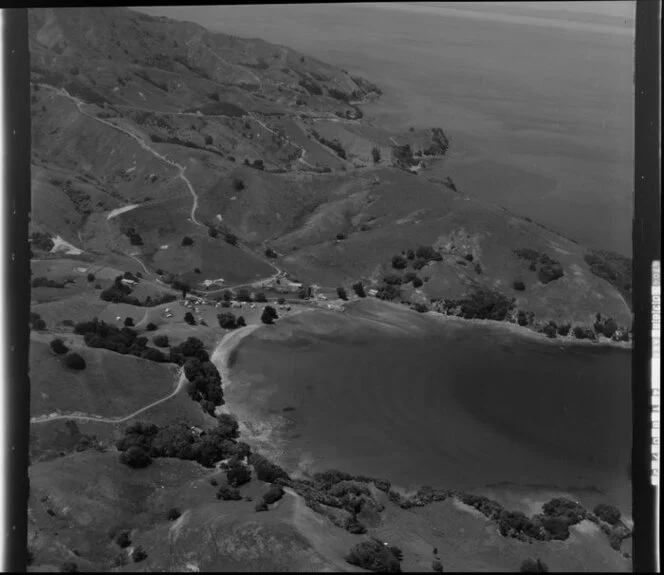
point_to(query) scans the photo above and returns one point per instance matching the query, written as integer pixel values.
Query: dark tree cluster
(388, 292)
(42, 241)
(483, 304)
(358, 288)
(227, 320)
(179, 441)
(266, 470)
(134, 237)
(341, 292)
(273, 494)
(399, 262)
(270, 253)
(226, 493)
(608, 513)
(373, 556)
(75, 361)
(269, 315)
(99, 334)
(36, 321)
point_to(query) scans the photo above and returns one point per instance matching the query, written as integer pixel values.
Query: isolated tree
(189, 318)
(341, 236)
(375, 152)
(240, 322)
(238, 184)
(269, 315)
(74, 361)
(518, 285)
(399, 262)
(227, 295)
(58, 346)
(358, 288)
(208, 140)
(270, 253)
(90, 277)
(151, 327)
(135, 457)
(160, 340)
(187, 241)
(341, 292)
(212, 232)
(173, 514)
(231, 239)
(129, 321)
(260, 297)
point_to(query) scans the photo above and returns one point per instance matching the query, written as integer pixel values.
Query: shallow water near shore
(467, 407)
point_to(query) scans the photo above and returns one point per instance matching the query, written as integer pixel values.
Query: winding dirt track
(219, 357)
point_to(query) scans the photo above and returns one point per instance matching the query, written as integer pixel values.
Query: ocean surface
(536, 97)
(467, 406)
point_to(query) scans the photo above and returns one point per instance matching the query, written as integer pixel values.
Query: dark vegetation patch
(549, 269)
(182, 442)
(218, 108)
(373, 556)
(45, 282)
(332, 144)
(615, 269)
(120, 292)
(481, 304)
(41, 241)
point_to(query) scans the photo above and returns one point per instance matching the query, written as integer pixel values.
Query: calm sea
(537, 97)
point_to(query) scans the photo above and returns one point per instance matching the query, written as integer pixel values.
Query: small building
(372, 292)
(127, 282)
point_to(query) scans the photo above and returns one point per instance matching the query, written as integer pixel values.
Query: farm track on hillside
(181, 169)
(99, 419)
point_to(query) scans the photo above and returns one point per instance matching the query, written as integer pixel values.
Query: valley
(240, 283)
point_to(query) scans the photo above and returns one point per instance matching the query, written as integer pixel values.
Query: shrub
(549, 330)
(533, 566)
(420, 307)
(274, 494)
(151, 327)
(39, 324)
(122, 539)
(518, 285)
(549, 273)
(160, 340)
(74, 361)
(373, 556)
(138, 554)
(579, 332)
(270, 253)
(437, 566)
(189, 318)
(90, 277)
(228, 494)
(135, 457)
(388, 292)
(399, 262)
(231, 239)
(208, 140)
(358, 288)
(564, 329)
(261, 506)
(393, 279)
(419, 263)
(375, 153)
(607, 513)
(213, 232)
(417, 282)
(238, 184)
(58, 346)
(269, 315)
(238, 475)
(187, 241)
(341, 236)
(173, 514)
(260, 297)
